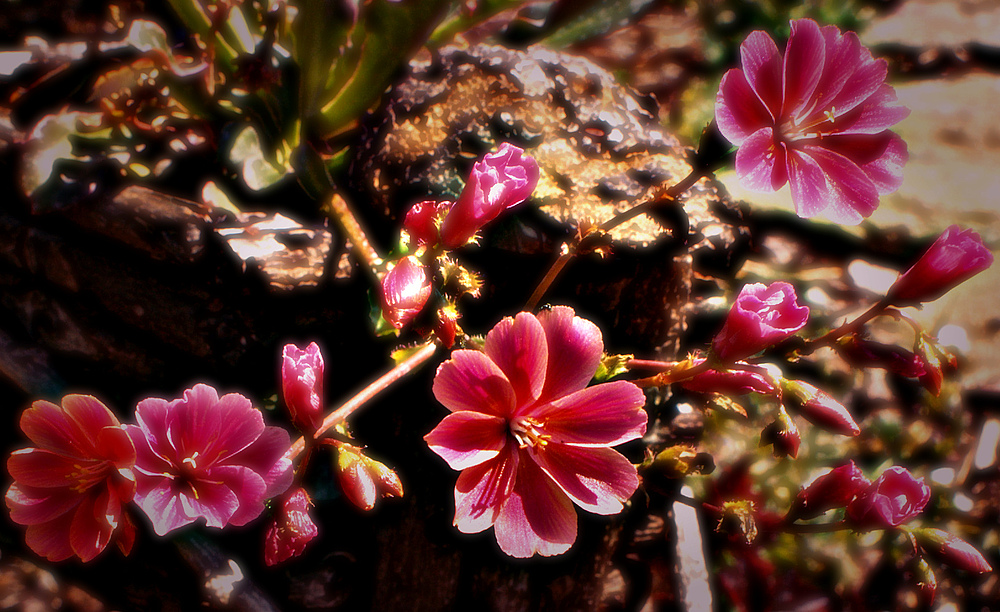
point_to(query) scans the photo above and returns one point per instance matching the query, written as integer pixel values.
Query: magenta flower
(528, 435)
(302, 385)
(202, 456)
(498, 181)
(956, 256)
(835, 489)
(71, 489)
(760, 317)
(291, 530)
(817, 118)
(894, 498)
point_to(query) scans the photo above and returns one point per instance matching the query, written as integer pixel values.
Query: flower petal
(760, 162)
(518, 346)
(31, 506)
(163, 507)
(762, 69)
(51, 539)
(803, 66)
(597, 479)
(605, 415)
(860, 81)
(482, 489)
(247, 485)
(738, 110)
(467, 438)
(575, 347)
(35, 467)
(849, 194)
(879, 112)
(880, 156)
(471, 381)
(88, 534)
(69, 429)
(266, 456)
(537, 517)
(240, 425)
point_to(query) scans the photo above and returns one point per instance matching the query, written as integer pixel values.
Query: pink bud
(363, 479)
(835, 489)
(952, 549)
(760, 317)
(291, 529)
(302, 385)
(954, 257)
(819, 408)
(783, 435)
(422, 220)
(447, 326)
(498, 181)
(728, 382)
(405, 290)
(894, 498)
(862, 353)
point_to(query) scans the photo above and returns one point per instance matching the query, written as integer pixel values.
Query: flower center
(528, 432)
(89, 474)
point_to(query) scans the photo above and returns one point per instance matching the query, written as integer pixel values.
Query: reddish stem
(347, 409)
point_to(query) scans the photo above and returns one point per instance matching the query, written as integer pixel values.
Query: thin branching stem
(849, 327)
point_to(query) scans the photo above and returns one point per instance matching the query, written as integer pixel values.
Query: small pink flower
(498, 181)
(405, 290)
(291, 530)
(894, 498)
(530, 437)
(202, 456)
(956, 256)
(728, 382)
(760, 317)
(302, 385)
(71, 489)
(817, 117)
(835, 489)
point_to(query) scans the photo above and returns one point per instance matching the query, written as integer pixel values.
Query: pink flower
(405, 290)
(498, 181)
(528, 435)
(835, 489)
(291, 530)
(302, 385)
(728, 382)
(71, 489)
(208, 457)
(760, 317)
(956, 256)
(894, 498)
(817, 118)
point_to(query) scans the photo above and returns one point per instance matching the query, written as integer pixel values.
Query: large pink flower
(71, 489)
(528, 435)
(817, 117)
(202, 456)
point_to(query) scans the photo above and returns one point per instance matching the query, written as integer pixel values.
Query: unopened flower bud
(926, 580)
(498, 181)
(783, 435)
(422, 221)
(952, 549)
(680, 461)
(954, 257)
(728, 382)
(818, 407)
(447, 325)
(894, 498)
(405, 290)
(302, 385)
(363, 479)
(937, 360)
(835, 489)
(291, 530)
(760, 317)
(738, 520)
(862, 353)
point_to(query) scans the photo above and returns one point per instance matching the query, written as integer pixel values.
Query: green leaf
(611, 366)
(257, 170)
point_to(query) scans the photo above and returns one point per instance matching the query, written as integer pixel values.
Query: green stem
(849, 327)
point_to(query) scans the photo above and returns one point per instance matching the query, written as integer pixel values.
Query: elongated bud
(862, 353)
(363, 479)
(302, 385)
(818, 407)
(291, 530)
(937, 360)
(405, 290)
(835, 489)
(952, 550)
(783, 435)
(447, 325)
(926, 580)
(954, 257)
(728, 382)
